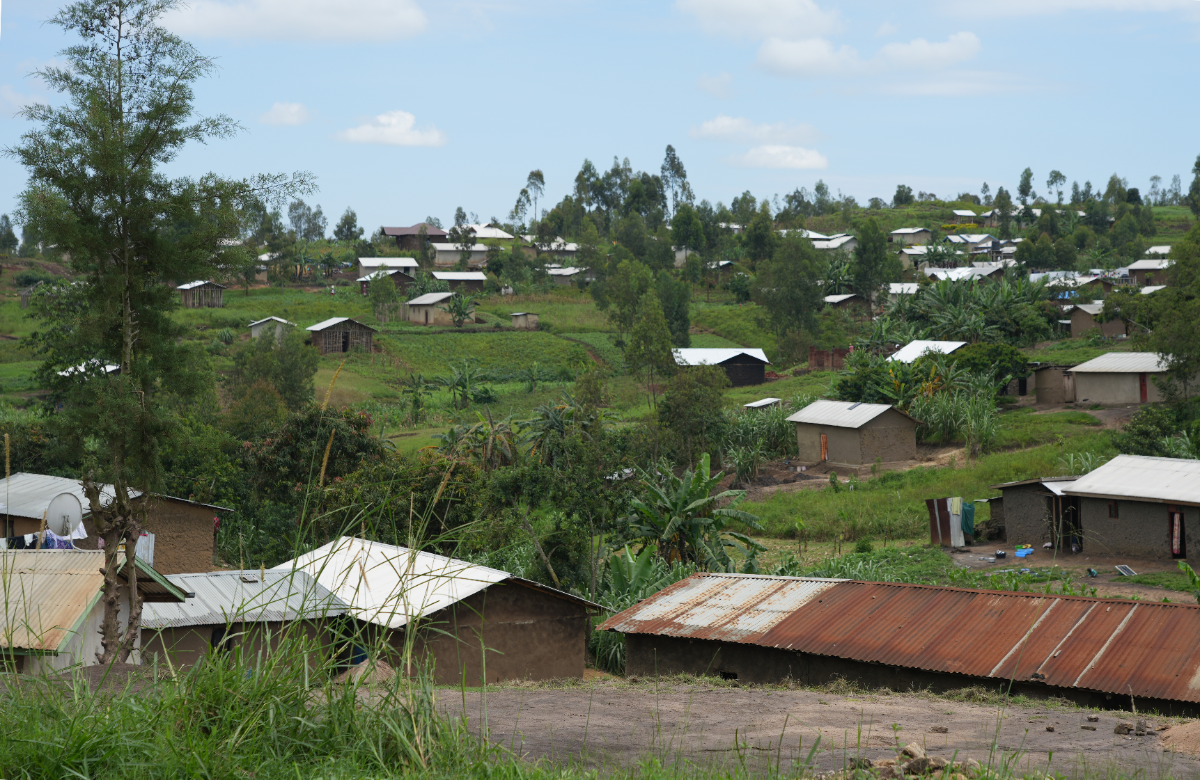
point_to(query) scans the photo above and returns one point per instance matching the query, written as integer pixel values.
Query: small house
(400, 279)
(430, 309)
(1085, 318)
(341, 334)
(565, 277)
(1149, 271)
(969, 242)
(842, 433)
(1035, 511)
(276, 325)
(910, 236)
(965, 217)
(898, 290)
(462, 281)
(843, 242)
(742, 366)
(405, 265)
(251, 612)
(915, 349)
(1119, 378)
(1053, 384)
(473, 624)
(488, 232)
(1162, 250)
(849, 302)
(764, 403)
(201, 295)
(524, 320)
(448, 254)
(407, 237)
(53, 607)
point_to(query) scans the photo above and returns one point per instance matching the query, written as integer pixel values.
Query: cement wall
(843, 445)
(1051, 386)
(1114, 388)
(1026, 515)
(891, 437)
(1082, 323)
(1141, 529)
(427, 315)
(187, 646)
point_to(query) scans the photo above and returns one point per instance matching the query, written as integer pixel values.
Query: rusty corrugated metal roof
(1107, 645)
(45, 594)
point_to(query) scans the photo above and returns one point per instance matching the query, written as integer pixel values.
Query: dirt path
(615, 723)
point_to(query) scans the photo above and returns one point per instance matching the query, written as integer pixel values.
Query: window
(1112, 509)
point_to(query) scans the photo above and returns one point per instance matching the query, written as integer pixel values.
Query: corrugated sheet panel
(244, 596)
(1165, 480)
(1122, 363)
(1107, 645)
(839, 414)
(914, 349)
(699, 356)
(45, 594)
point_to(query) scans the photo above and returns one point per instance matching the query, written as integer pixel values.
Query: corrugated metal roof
(910, 231)
(839, 298)
(200, 283)
(903, 288)
(1150, 265)
(839, 414)
(446, 247)
(268, 319)
(915, 349)
(428, 299)
(1153, 288)
(1091, 308)
(244, 596)
(1166, 480)
(45, 594)
(1107, 645)
(1123, 363)
(696, 356)
(460, 276)
(760, 403)
(1160, 249)
(329, 323)
(832, 243)
(387, 262)
(430, 230)
(963, 213)
(29, 495)
(568, 271)
(487, 231)
(90, 367)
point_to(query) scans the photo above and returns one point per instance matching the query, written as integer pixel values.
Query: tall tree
(347, 229)
(98, 189)
(874, 266)
(760, 237)
(624, 291)
(687, 232)
(675, 180)
(676, 297)
(1025, 187)
(1055, 182)
(8, 237)
(535, 183)
(1004, 211)
(787, 286)
(649, 350)
(1175, 310)
(903, 196)
(521, 208)
(1193, 193)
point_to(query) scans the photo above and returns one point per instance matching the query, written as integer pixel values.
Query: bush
(863, 546)
(31, 277)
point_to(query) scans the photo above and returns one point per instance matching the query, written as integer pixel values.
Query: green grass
(738, 324)
(1170, 580)
(1023, 427)
(817, 383)
(602, 346)
(565, 310)
(1072, 352)
(711, 341)
(501, 351)
(301, 307)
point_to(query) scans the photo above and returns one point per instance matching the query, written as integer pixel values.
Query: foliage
(1146, 432)
(649, 349)
(259, 410)
(690, 410)
(381, 292)
(286, 365)
(997, 360)
(786, 285)
(460, 308)
(1079, 463)
(675, 297)
(874, 266)
(1011, 311)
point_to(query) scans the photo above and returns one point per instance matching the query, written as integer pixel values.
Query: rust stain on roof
(1108, 645)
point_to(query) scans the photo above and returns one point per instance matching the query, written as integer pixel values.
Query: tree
(535, 184)
(347, 230)
(381, 292)
(649, 349)
(1176, 312)
(903, 196)
(8, 237)
(674, 178)
(874, 266)
(1004, 210)
(1055, 182)
(286, 364)
(1025, 188)
(985, 194)
(460, 308)
(1193, 194)
(99, 192)
(787, 285)
(760, 237)
(521, 208)
(624, 291)
(692, 410)
(687, 232)
(675, 297)
(257, 413)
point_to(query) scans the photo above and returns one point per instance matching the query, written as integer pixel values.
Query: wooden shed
(743, 366)
(856, 305)
(842, 433)
(340, 334)
(276, 325)
(202, 295)
(524, 320)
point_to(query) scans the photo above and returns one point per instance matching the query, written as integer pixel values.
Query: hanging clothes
(956, 531)
(53, 541)
(15, 543)
(968, 518)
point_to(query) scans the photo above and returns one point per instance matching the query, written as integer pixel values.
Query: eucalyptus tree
(99, 191)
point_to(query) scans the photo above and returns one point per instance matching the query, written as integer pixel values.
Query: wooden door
(1178, 534)
(1142, 391)
(824, 447)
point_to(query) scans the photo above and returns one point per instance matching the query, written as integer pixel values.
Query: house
(278, 325)
(1145, 272)
(53, 608)
(341, 334)
(848, 434)
(682, 254)
(407, 238)
(1161, 250)
(1084, 319)
(810, 632)
(183, 529)
(811, 235)
(764, 403)
(201, 295)
(910, 236)
(251, 612)
(90, 368)
(565, 277)
(898, 290)
(430, 309)
(733, 227)
(524, 320)
(965, 274)
(1119, 378)
(1153, 288)
(559, 247)
(474, 624)
(855, 304)
(989, 218)
(1034, 511)
(969, 242)
(486, 232)
(743, 366)
(915, 349)
(448, 255)
(1139, 506)
(406, 265)
(400, 280)
(843, 242)
(1053, 384)
(462, 281)
(965, 217)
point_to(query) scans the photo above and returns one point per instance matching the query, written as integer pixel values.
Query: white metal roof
(389, 585)
(696, 356)
(90, 367)
(910, 231)
(833, 243)
(268, 319)
(428, 299)
(1057, 487)
(839, 414)
(1123, 363)
(1165, 480)
(964, 213)
(922, 249)
(914, 349)
(903, 288)
(443, 247)
(460, 276)
(387, 262)
(201, 283)
(223, 597)
(839, 298)
(1091, 308)
(1153, 288)
(805, 233)
(1150, 265)
(487, 231)
(29, 495)
(568, 271)
(956, 274)
(327, 323)
(523, 313)
(1162, 249)
(763, 402)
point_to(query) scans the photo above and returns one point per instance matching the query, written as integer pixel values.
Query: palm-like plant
(685, 523)
(838, 279)
(460, 308)
(463, 382)
(417, 388)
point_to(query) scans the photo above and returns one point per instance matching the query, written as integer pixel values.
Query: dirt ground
(616, 723)
(1108, 582)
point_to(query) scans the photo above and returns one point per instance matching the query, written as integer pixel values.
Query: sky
(404, 109)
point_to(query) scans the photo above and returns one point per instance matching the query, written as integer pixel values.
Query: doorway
(1142, 391)
(824, 448)
(1178, 534)
(345, 341)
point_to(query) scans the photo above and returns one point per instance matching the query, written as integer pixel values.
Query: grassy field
(565, 310)
(1072, 352)
(739, 324)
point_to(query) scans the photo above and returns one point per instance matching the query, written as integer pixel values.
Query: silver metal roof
(1162, 480)
(903, 288)
(442, 246)
(910, 231)
(1123, 363)
(244, 596)
(29, 495)
(839, 298)
(839, 414)
(460, 276)
(387, 262)
(915, 349)
(428, 299)
(696, 356)
(1150, 265)
(1091, 308)
(1153, 288)
(200, 283)
(329, 323)
(268, 319)
(760, 403)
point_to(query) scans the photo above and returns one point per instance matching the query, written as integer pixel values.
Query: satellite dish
(64, 514)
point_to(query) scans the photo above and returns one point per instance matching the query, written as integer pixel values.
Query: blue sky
(409, 108)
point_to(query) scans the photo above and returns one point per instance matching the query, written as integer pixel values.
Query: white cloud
(819, 57)
(921, 54)
(15, 100)
(886, 29)
(1041, 7)
(758, 19)
(395, 128)
(717, 86)
(728, 128)
(289, 114)
(781, 156)
(319, 20)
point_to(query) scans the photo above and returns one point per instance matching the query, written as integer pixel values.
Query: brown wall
(824, 359)
(1082, 323)
(529, 634)
(1115, 388)
(1026, 515)
(331, 339)
(437, 316)
(1141, 529)
(891, 437)
(183, 536)
(843, 444)
(1051, 386)
(187, 646)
